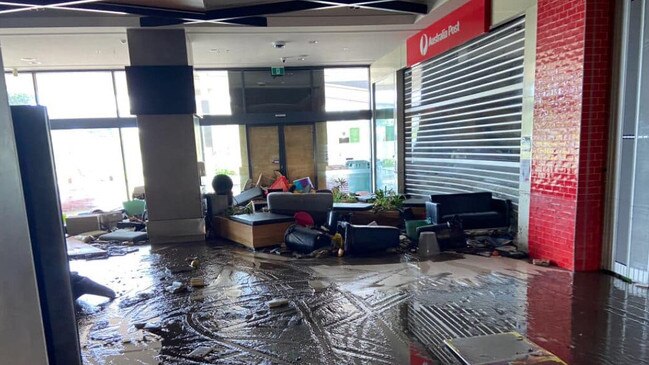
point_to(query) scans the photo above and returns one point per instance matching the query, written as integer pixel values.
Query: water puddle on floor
(380, 310)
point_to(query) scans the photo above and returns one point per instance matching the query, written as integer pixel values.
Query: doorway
(631, 215)
(289, 149)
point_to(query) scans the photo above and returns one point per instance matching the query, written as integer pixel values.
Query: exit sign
(277, 71)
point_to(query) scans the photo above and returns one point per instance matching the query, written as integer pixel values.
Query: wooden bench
(254, 230)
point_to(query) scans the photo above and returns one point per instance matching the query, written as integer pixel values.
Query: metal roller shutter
(463, 117)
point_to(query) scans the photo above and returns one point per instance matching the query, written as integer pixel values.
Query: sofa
(317, 205)
(475, 210)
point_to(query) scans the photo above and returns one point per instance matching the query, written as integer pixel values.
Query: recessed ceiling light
(28, 59)
(313, 42)
(345, 49)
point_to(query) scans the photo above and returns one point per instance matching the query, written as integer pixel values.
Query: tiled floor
(388, 310)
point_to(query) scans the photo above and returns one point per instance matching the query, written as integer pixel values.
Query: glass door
(288, 149)
(299, 150)
(385, 133)
(631, 236)
(263, 152)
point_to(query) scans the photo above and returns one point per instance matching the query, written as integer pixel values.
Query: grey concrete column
(22, 337)
(168, 140)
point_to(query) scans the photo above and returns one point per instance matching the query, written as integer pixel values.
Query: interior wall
(21, 328)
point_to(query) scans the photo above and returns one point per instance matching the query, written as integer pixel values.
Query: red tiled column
(571, 107)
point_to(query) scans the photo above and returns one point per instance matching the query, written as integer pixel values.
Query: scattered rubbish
(152, 327)
(197, 282)
(541, 262)
(337, 240)
(200, 352)
(131, 301)
(175, 287)
(195, 264)
(276, 303)
(341, 252)
(318, 285)
(428, 245)
(294, 321)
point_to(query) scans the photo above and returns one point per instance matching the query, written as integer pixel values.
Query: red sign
(461, 25)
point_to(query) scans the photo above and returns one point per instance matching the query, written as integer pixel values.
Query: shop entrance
(288, 149)
(631, 213)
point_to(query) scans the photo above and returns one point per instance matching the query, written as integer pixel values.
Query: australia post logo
(425, 41)
(423, 44)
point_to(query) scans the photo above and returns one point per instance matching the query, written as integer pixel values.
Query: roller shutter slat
(463, 117)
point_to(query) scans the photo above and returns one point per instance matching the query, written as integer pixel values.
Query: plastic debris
(276, 303)
(200, 352)
(197, 282)
(541, 262)
(175, 287)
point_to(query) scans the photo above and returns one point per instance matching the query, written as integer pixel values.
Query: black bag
(305, 240)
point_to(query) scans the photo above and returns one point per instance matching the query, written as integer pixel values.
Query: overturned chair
(361, 240)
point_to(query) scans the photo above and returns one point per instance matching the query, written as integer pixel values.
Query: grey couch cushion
(317, 205)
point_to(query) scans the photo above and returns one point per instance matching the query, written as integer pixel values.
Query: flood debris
(197, 282)
(276, 303)
(318, 285)
(200, 352)
(176, 287)
(541, 262)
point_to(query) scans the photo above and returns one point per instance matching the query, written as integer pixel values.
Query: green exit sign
(277, 71)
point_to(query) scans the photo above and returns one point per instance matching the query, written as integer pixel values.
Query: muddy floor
(388, 310)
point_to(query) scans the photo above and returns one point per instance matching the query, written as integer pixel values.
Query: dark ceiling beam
(241, 15)
(52, 3)
(384, 5)
(149, 21)
(144, 11)
(263, 9)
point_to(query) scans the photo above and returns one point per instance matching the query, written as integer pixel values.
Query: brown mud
(381, 310)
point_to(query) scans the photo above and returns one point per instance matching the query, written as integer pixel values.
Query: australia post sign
(463, 24)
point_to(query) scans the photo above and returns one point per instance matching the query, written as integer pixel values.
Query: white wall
(22, 341)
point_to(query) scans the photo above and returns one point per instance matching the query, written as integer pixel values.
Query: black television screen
(161, 89)
(254, 91)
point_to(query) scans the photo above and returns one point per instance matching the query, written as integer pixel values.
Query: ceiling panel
(196, 5)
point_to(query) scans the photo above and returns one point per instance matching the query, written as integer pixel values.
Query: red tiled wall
(570, 111)
(594, 135)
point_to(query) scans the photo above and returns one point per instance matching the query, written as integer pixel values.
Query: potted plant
(386, 210)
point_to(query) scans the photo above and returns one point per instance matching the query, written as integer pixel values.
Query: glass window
(123, 101)
(346, 155)
(77, 94)
(20, 88)
(132, 158)
(347, 89)
(385, 99)
(224, 148)
(89, 169)
(212, 93)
